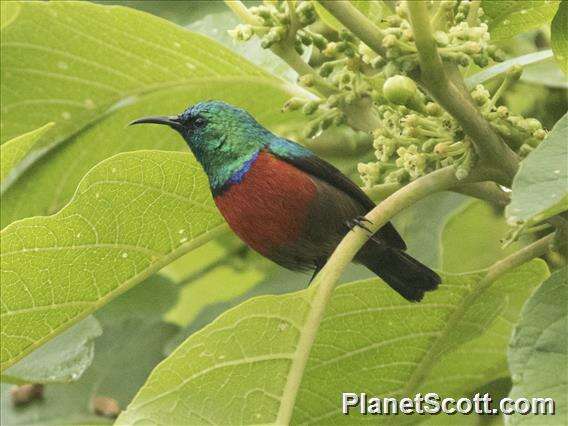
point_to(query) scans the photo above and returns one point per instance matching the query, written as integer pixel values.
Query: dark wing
(310, 163)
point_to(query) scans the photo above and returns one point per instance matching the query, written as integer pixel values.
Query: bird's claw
(359, 221)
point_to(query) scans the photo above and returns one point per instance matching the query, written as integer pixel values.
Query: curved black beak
(172, 121)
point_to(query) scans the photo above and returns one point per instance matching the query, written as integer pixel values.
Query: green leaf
(508, 18)
(131, 345)
(538, 353)
(369, 339)
(559, 36)
(217, 25)
(63, 359)
(423, 223)
(8, 13)
(545, 73)
(69, 62)
(13, 151)
(131, 215)
(500, 68)
(209, 286)
(539, 188)
(471, 239)
(92, 69)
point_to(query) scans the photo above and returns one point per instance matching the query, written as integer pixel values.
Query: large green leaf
(508, 18)
(545, 73)
(92, 69)
(559, 36)
(472, 238)
(69, 62)
(422, 226)
(63, 359)
(538, 354)
(370, 340)
(13, 151)
(540, 187)
(131, 215)
(130, 347)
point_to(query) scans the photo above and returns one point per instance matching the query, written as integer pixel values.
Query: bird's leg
(359, 221)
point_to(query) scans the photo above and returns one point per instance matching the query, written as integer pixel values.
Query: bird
(284, 201)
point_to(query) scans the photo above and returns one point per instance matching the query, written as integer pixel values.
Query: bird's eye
(199, 122)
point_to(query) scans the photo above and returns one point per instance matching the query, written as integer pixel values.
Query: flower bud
(326, 69)
(331, 49)
(481, 60)
(531, 124)
(502, 111)
(307, 80)
(293, 104)
(241, 32)
(310, 107)
(539, 134)
(319, 41)
(393, 20)
(389, 40)
(434, 109)
(399, 89)
(471, 47)
(441, 38)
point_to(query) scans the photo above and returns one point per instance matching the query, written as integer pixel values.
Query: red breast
(270, 206)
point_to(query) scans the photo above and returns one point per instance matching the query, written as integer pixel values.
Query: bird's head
(221, 136)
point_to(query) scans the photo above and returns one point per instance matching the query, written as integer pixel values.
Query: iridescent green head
(221, 136)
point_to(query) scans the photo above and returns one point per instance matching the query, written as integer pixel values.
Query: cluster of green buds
(459, 41)
(325, 117)
(415, 138)
(415, 135)
(520, 133)
(276, 21)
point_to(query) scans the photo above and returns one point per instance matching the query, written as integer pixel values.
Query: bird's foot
(360, 222)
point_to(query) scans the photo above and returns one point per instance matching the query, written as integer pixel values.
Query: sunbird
(285, 202)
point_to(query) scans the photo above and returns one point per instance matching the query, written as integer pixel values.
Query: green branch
(242, 12)
(536, 249)
(356, 22)
(489, 146)
(325, 281)
(487, 191)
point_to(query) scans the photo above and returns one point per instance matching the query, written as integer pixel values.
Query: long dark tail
(407, 276)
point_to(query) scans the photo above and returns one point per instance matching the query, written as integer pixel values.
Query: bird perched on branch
(285, 202)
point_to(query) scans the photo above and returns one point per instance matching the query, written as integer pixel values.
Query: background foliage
(121, 284)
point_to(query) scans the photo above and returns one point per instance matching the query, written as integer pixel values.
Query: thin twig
(356, 22)
(536, 249)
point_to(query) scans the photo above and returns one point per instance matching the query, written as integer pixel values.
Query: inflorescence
(412, 134)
